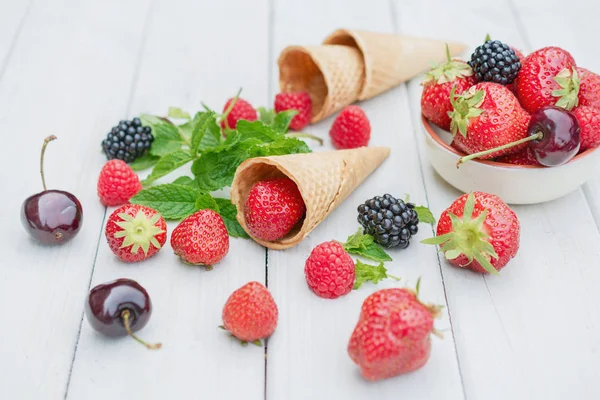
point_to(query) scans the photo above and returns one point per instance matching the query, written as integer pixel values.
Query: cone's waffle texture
(391, 59)
(324, 179)
(332, 76)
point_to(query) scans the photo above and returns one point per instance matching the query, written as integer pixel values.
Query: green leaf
(178, 113)
(267, 117)
(283, 119)
(228, 212)
(364, 245)
(370, 273)
(167, 164)
(206, 133)
(172, 201)
(425, 215)
(186, 130)
(144, 162)
(206, 201)
(215, 170)
(281, 146)
(185, 181)
(166, 135)
(256, 130)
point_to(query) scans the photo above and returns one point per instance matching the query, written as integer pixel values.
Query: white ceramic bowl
(515, 184)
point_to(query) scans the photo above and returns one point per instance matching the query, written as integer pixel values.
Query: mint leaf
(267, 117)
(172, 201)
(143, 162)
(281, 146)
(256, 130)
(206, 133)
(166, 135)
(372, 273)
(215, 170)
(229, 211)
(206, 201)
(186, 129)
(364, 245)
(176, 112)
(282, 120)
(185, 181)
(425, 215)
(168, 163)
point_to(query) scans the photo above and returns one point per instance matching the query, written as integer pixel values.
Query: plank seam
(15, 39)
(396, 29)
(129, 103)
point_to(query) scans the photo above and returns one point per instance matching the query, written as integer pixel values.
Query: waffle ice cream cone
(332, 75)
(391, 59)
(324, 179)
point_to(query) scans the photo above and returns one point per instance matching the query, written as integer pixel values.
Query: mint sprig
(364, 245)
(371, 273)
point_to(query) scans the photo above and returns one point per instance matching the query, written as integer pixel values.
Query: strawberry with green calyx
(589, 88)
(548, 76)
(135, 233)
(479, 232)
(439, 81)
(485, 117)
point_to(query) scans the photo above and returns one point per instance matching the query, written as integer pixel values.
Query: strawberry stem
(46, 141)
(536, 136)
(125, 315)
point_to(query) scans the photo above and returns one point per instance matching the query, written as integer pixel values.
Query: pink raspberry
(350, 129)
(299, 101)
(330, 271)
(241, 110)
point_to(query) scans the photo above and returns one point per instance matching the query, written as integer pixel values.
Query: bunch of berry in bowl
(525, 128)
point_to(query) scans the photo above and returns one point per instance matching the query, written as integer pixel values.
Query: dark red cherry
(558, 132)
(119, 308)
(51, 216)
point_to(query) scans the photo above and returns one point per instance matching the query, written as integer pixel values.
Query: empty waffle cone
(392, 59)
(324, 179)
(332, 76)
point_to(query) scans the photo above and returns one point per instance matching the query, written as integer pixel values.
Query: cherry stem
(536, 136)
(46, 141)
(125, 315)
(305, 135)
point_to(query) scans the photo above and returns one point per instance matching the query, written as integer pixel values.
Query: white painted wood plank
(13, 16)
(307, 355)
(529, 333)
(61, 78)
(190, 55)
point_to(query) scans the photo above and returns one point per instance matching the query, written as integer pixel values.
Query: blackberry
(390, 221)
(127, 141)
(495, 61)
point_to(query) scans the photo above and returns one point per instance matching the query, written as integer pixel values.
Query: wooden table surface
(74, 68)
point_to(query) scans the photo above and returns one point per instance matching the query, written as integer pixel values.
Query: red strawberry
(523, 157)
(478, 231)
(135, 233)
(250, 313)
(486, 116)
(438, 83)
(330, 271)
(241, 110)
(589, 122)
(589, 88)
(299, 101)
(350, 129)
(392, 336)
(117, 183)
(201, 238)
(546, 79)
(273, 207)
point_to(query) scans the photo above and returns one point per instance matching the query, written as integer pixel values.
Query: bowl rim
(440, 142)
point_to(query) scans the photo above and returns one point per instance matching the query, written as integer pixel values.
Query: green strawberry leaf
(177, 113)
(174, 202)
(143, 162)
(425, 215)
(167, 138)
(370, 273)
(167, 164)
